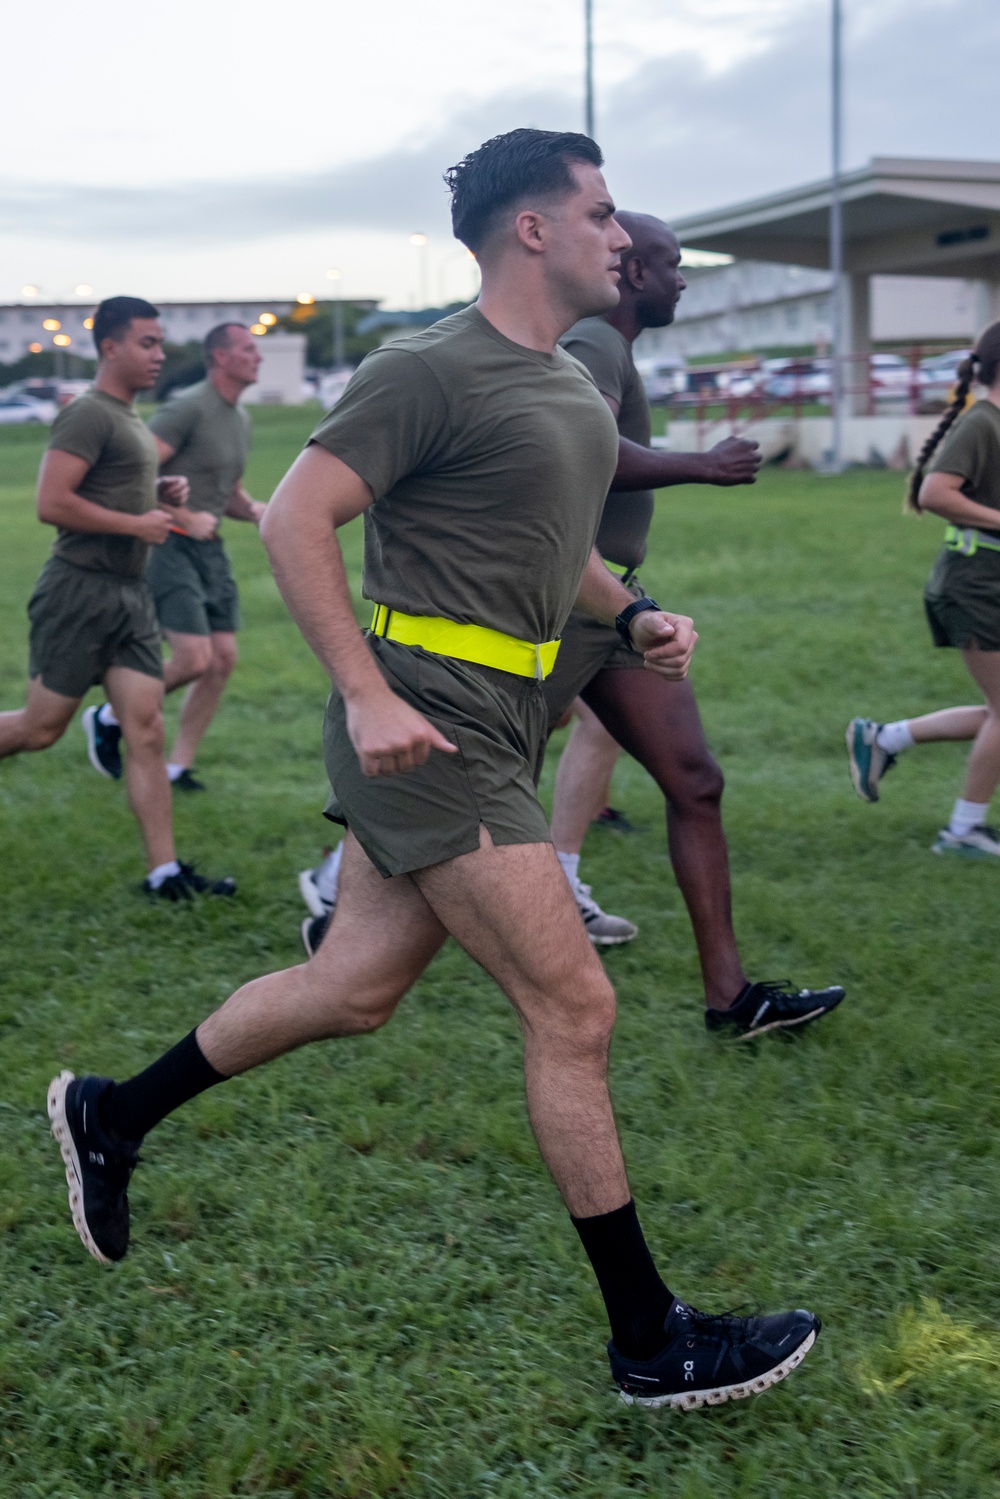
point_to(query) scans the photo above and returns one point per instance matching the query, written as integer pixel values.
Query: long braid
(966, 373)
(982, 366)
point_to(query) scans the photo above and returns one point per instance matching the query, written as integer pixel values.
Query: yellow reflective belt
(474, 643)
(625, 573)
(968, 540)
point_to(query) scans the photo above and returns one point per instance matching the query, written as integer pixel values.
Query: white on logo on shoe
(96, 1158)
(689, 1369)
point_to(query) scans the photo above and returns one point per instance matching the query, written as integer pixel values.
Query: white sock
(329, 875)
(173, 771)
(162, 872)
(106, 716)
(967, 815)
(895, 737)
(570, 864)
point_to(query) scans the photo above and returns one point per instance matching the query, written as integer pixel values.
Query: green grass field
(351, 1275)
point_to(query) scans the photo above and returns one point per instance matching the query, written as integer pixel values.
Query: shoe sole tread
(56, 1109)
(691, 1400)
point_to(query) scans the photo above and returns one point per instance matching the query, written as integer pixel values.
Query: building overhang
(901, 215)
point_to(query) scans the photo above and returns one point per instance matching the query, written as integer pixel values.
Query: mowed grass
(351, 1275)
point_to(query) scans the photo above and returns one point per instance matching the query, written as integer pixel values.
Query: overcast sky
(205, 150)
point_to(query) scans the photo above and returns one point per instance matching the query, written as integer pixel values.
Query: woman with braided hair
(962, 600)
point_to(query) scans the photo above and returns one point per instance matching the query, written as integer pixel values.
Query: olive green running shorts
(434, 813)
(83, 622)
(587, 648)
(193, 586)
(962, 600)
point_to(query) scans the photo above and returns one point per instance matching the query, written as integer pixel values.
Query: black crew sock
(131, 1109)
(635, 1296)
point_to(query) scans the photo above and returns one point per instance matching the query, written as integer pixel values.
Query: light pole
(338, 321)
(588, 67)
(836, 245)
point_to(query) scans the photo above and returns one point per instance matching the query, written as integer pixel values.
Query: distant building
(23, 323)
(756, 304)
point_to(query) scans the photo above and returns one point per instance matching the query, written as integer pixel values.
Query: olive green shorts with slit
(434, 813)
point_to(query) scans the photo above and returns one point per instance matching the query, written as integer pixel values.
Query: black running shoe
(187, 782)
(314, 930)
(610, 817)
(769, 1006)
(709, 1360)
(98, 1165)
(103, 744)
(187, 883)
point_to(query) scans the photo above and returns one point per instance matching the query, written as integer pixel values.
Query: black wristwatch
(628, 614)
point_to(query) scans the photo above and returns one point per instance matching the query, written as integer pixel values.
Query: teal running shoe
(978, 843)
(868, 761)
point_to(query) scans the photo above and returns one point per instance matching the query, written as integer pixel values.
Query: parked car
(661, 379)
(19, 410)
(796, 379)
(939, 376)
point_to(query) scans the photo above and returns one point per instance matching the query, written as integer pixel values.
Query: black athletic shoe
(187, 883)
(314, 930)
(103, 744)
(187, 782)
(768, 1006)
(610, 817)
(709, 1360)
(98, 1165)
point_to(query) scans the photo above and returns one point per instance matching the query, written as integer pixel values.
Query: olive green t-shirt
(114, 440)
(489, 464)
(607, 354)
(211, 442)
(972, 451)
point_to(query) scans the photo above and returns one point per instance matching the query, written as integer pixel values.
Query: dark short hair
(114, 315)
(507, 170)
(217, 338)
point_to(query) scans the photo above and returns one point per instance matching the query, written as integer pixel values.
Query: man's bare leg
(45, 717)
(190, 655)
(948, 723)
(201, 701)
(509, 911)
(137, 701)
(583, 779)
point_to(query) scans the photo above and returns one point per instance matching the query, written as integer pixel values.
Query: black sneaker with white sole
(104, 742)
(98, 1165)
(769, 1006)
(188, 883)
(709, 1360)
(313, 930)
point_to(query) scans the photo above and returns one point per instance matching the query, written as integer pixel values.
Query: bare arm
(942, 495)
(735, 460)
(241, 507)
(58, 504)
(665, 640)
(316, 496)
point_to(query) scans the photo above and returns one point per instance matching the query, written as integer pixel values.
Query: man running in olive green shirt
(479, 455)
(204, 435)
(92, 616)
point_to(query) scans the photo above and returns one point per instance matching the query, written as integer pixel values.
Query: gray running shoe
(869, 762)
(978, 843)
(309, 891)
(602, 929)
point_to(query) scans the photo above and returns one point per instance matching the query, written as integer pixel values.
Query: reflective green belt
(625, 573)
(476, 643)
(967, 540)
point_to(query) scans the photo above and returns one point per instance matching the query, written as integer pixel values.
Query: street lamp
(337, 327)
(588, 67)
(836, 244)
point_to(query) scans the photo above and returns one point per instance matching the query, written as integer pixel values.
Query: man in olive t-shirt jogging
(91, 614)
(479, 455)
(655, 719)
(203, 434)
